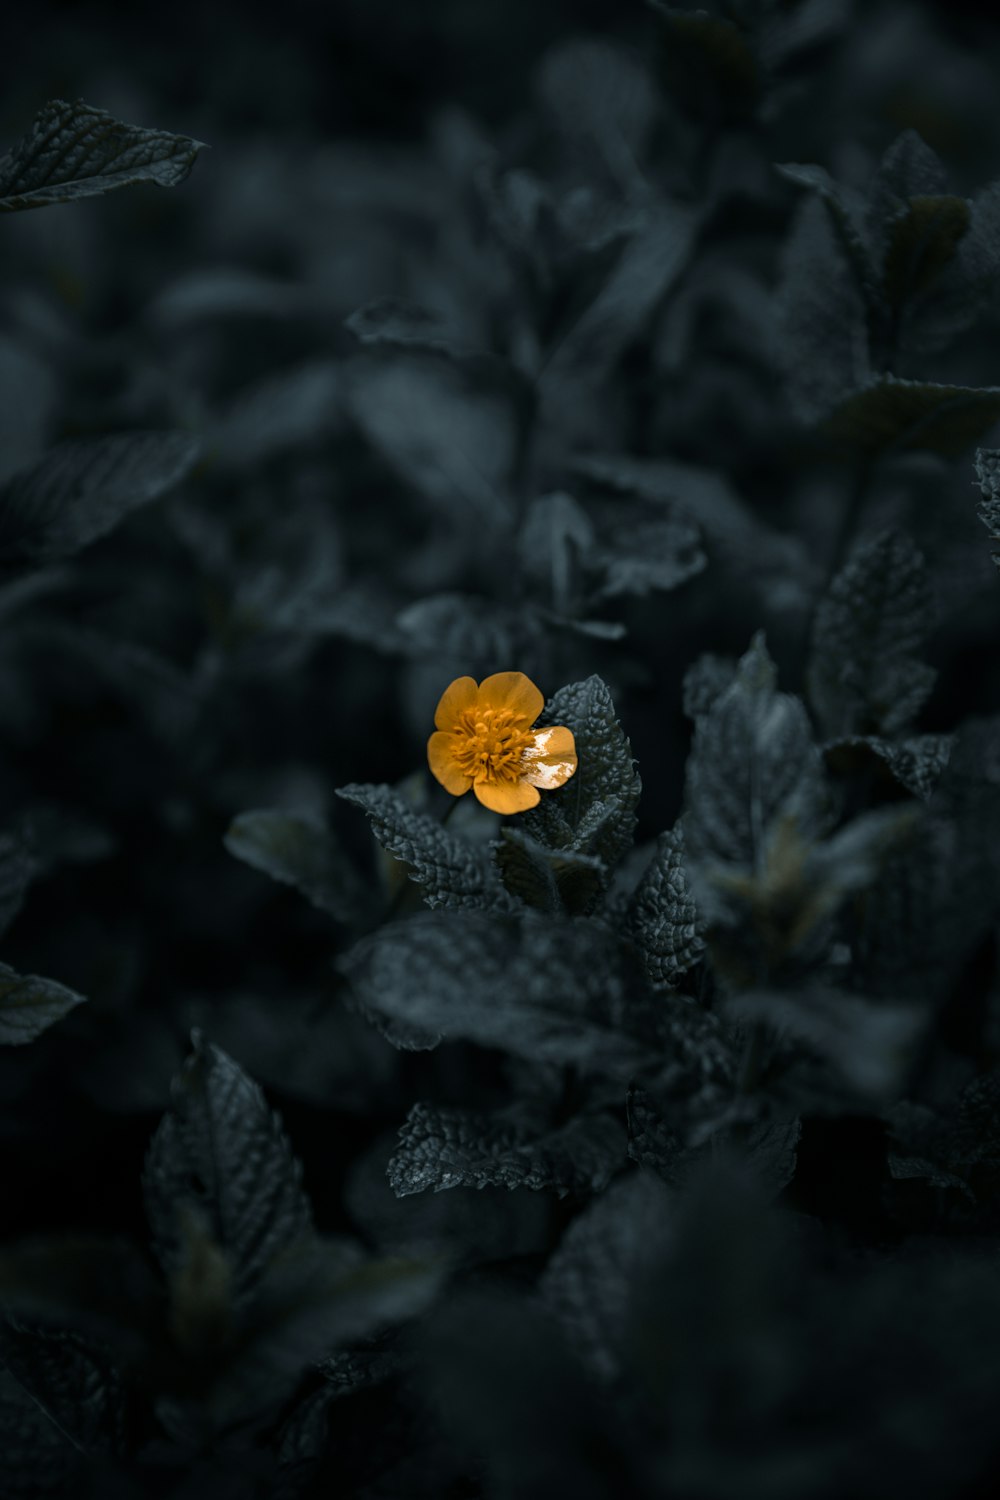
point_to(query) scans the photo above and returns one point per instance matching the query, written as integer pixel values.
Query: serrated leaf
(752, 764)
(663, 925)
(74, 151)
(469, 627)
(987, 462)
(863, 676)
(297, 849)
(552, 880)
(595, 812)
(220, 1158)
(450, 871)
(81, 490)
(893, 414)
(915, 762)
(550, 991)
(29, 1005)
(443, 1148)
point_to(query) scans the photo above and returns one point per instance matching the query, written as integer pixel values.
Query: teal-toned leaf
(74, 151)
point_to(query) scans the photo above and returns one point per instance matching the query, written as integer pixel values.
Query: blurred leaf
(546, 991)
(219, 1157)
(915, 762)
(451, 440)
(869, 1044)
(80, 490)
(987, 463)
(890, 414)
(450, 871)
(445, 1148)
(74, 151)
(922, 241)
(30, 1005)
(863, 674)
(61, 1404)
(17, 869)
(291, 409)
(663, 924)
(708, 64)
(752, 764)
(822, 321)
(399, 324)
(601, 99)
(297, 849)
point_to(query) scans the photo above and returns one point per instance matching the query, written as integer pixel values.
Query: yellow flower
(484, 740)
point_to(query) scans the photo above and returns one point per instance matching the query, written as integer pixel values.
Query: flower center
(489, 744)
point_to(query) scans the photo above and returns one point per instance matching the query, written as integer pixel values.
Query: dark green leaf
(18, 864)
(74, 151)
(987, 463)
(297, 849)
(594, 813)
(446, 1148)
(549, 991)
(220, 1158)
(449, 870)
(894, 414)
(752, 764)
(29, 1005)
(863, 675)
(822, 316)
(552, 880)
(915, 762)
(663, 924)
(80, 490)
(922, 242)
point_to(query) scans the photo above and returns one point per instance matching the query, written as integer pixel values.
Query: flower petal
(440, 758)
(551, 759)
(456, 698)
(506, 796)
(514, 691)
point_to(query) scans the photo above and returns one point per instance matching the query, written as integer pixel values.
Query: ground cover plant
(500, 770)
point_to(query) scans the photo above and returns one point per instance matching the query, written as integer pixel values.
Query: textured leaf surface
(752, 763)
(80, 490)
(296, 849)
(548, 991)
(445, 1148)
(449, 870)
(915, 761)
(552, 880)
(594, 813)
(29, 1005)
(220, 1158)
(863, 674)
(663, 920)
(74, 151)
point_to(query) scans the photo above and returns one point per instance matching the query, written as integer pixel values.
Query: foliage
(364, 1141)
